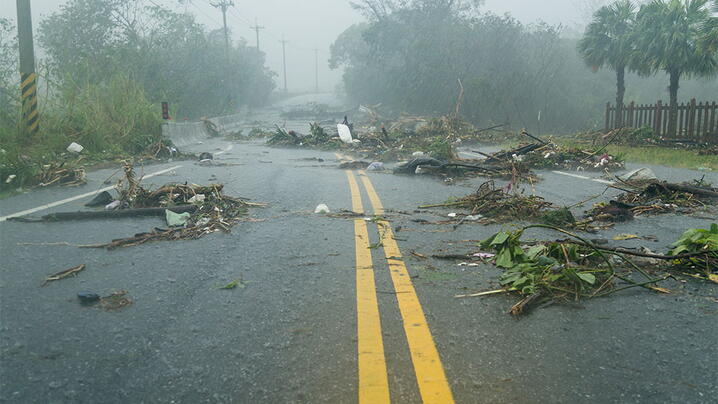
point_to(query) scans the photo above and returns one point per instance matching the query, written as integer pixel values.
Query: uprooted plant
(213, 211)
(559, 271)
(499, 204)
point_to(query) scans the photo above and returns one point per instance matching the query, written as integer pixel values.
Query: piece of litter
(621, 237)
(197, 198)
(176, 219)
(113, 205)
(322, 208)
(468, 264)
(418, 154)
(484, 255)
(375, 166)
(345, 134)
(452, 214)
(75, 148)
(473, 218)
(88, 297)
(64, 274)
(10, 178)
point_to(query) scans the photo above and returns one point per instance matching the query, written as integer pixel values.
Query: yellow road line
(433, 385)
(373, 377)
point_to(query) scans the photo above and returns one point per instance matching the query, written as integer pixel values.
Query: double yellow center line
(373, 379)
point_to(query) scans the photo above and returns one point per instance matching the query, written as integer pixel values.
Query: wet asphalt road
(290, 333)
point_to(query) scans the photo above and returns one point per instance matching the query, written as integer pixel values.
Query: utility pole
(28, 86)
(224, 5)
(284, 60)
(256, 29)
(316, 69)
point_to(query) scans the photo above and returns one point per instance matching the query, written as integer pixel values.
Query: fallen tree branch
(107, 214)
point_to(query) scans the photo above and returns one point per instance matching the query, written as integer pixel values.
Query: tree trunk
(620, 92)
(673, 108)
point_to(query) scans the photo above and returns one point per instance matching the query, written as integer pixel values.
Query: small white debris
(197, 198)
(321, 208)
(10, 178)
(418, 154)
(452, 214)
(75, 148)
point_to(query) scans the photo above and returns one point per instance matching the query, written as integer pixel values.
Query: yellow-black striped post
(28, 78)
(30, 114)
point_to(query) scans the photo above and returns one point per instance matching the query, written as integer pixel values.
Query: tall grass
(109, 119)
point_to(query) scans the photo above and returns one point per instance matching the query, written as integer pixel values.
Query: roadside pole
(28, 77)
(284, 61)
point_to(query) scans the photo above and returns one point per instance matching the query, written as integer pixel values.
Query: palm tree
(669, 36)
(710, 35)
(608, 40)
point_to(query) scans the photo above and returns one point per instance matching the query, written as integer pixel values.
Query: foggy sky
(309, 24)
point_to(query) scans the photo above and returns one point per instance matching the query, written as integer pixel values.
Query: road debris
(321, 208)
(64, 274)
(115, 301)
(102, 199)
(654, 197)
(75, 148)
(237, 283)
(498, 205)
(88, 298)
(57, 173)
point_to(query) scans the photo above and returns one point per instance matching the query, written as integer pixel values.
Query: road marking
(74, 198)
(433, 385)
(373, 377)
(583, 177)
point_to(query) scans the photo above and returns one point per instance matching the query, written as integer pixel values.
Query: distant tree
(169, 54)
(669, 36)
(608, 40)
(9, 76)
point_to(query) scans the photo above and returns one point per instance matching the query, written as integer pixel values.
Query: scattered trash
(637, 175)
(197, 198)
(75, 148)
(56, 173)
(345, 133)
(113, 205)
(321, 208)
(622, 237)
(237, 283)
(176, 219)
(375, 166)
(87, 298)
(101, 199)
(64, 274)
(498, 204)
(10, 178)
(354, 165)
(484, 255)
(115, 301)
(451, 215)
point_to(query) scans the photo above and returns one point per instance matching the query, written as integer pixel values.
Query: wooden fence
(696, 121)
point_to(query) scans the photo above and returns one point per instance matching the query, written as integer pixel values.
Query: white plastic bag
(345, 134)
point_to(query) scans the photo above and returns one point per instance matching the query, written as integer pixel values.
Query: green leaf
(587, 277)
(500, 238)
(504, 259)
(714, 228)
(534, 251)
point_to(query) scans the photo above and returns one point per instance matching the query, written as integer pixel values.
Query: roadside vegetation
(107, 66)
(409, 55)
